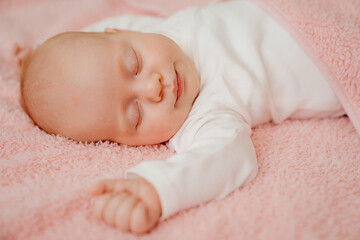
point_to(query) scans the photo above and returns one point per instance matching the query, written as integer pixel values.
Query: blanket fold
(329, 32)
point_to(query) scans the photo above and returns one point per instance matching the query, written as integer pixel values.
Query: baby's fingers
(111, 207)
(141, 222)
(100, 204)
(124, 212)
(15, 49)
(106, 185)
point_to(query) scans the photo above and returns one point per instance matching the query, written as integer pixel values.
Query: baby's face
(128, 87)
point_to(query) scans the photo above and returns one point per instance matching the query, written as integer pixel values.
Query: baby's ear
(112, 30)
(20, 55)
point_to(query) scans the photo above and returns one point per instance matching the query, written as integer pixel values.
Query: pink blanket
(308, 182)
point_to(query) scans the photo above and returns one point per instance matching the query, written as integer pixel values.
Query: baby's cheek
(75, 101)
(158, 133)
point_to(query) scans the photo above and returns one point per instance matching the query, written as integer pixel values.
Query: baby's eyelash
(139, 112)
(137, 63)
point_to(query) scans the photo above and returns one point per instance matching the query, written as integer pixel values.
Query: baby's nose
(152, 88)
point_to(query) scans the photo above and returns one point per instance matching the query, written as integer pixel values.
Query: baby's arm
(220, 158)
(217, 157)
(132, 205)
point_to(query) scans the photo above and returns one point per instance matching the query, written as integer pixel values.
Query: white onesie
(251, 72)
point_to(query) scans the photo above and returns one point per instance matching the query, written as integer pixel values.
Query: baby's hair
(29, 77)
(30, 82)
(36, 87)
(26, 78)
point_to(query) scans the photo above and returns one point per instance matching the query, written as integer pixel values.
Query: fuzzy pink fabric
(308, 182)
(329, 32)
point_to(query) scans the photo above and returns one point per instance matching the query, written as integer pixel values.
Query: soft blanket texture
(308, 182)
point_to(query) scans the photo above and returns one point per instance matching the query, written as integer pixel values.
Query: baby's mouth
(179, 86)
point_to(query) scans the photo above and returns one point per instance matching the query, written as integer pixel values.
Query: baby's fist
(132, 205)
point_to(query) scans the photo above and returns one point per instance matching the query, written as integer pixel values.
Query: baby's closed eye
(137, 65)
(135, 114)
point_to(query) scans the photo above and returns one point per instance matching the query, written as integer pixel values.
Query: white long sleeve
(251, 72)
(220, 158)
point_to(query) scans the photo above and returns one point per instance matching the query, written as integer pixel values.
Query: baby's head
(128, 87)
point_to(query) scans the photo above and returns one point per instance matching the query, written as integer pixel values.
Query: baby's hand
(132, 205)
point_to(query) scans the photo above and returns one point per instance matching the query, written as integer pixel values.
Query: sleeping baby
(197, 81)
